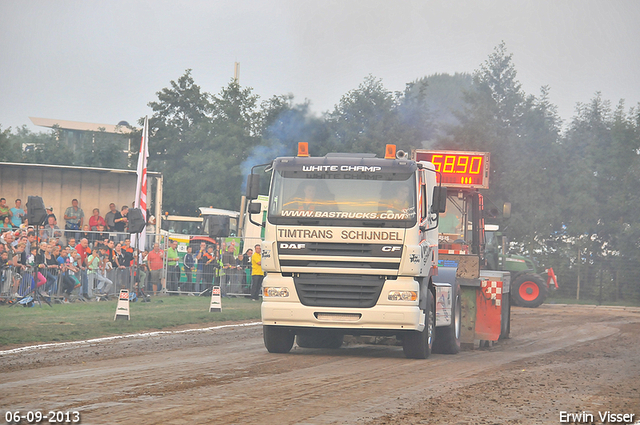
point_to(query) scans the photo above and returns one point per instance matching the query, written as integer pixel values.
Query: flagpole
(141, 184)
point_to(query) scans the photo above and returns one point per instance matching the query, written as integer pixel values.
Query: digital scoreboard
(458, 168)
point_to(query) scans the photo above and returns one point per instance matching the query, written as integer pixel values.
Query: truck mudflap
(444, 284)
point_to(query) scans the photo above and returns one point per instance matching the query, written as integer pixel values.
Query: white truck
(351, 248)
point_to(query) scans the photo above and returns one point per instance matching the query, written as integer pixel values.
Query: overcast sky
(103, 61)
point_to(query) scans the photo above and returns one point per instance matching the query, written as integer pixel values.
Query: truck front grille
(328, 290)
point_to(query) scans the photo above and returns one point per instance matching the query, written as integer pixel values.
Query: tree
(370, 117)
(46, 148)
(10, 146)
(198, 142)
(521, 133)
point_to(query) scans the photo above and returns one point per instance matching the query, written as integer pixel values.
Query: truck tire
(277, 339)
(418, 345)
(447, 339)
(529, 290)
(319, 339)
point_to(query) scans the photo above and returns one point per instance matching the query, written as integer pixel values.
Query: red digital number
(476, 162)
(449, 163)
(436, 160)
(463, 161)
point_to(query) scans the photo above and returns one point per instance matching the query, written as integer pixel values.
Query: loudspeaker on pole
(36, 213)
(136, 220)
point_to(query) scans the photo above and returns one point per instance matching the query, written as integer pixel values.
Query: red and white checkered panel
(492, 290)
(453, 251)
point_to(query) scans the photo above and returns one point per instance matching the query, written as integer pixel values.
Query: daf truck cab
(351, 248)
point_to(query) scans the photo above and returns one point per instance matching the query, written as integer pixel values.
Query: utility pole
(236, 72)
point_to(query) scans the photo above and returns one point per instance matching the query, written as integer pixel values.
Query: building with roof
(82, 135)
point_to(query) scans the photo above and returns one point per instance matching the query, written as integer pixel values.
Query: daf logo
(391, 248)
(291, 246)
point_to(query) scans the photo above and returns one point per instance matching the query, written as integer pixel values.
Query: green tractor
(528, 288)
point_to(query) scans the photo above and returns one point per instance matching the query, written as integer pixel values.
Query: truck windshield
(354, 199)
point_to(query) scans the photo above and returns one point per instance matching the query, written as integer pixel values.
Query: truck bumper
(374, 318)
(290, 312)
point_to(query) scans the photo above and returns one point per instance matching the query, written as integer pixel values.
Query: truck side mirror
(255, 208)
(506, 210)
(253, 186)
(439, 199)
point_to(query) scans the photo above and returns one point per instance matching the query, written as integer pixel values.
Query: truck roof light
(303, 149)
(390, 152)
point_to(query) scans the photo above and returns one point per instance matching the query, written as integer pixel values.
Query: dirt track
(560, 358)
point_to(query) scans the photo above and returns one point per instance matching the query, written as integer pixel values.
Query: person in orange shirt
(155, 262)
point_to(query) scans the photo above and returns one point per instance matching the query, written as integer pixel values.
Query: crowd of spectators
(93, 256)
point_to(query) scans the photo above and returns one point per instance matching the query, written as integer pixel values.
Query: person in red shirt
(84, 251)
(155, 262)
(95, 220)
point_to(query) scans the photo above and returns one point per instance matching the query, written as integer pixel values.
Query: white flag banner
(141, 185)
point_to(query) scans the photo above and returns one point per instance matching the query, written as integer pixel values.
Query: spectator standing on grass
(200, 267)
(257, 275)
(68, 283)
(74, 217)
(96, 220)
(121, 265)
(142, 271)
(173, 267)
(110, 217)
(229, 266)
(83, 251)
(17, 214)
(209, 266)
(48, 265)
(189, 261)
(155, 262)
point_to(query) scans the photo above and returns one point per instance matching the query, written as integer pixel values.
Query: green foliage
(370, 117)
(47, 148)
(574, 195)
(10, 147)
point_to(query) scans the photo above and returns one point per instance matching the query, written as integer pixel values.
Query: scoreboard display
(458, 169)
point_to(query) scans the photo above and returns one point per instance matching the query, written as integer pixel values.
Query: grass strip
(78, 321)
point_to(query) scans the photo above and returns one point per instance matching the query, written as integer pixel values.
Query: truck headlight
(275, 292)
(403, 296)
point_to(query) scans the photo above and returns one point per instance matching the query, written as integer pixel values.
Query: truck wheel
(418, 345)
(319, 339)
(448, 337)
(277, 339)
(529, 290)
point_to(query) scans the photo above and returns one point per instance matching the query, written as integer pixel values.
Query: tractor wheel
(529, 290)
(277, 339)
(418, 345)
